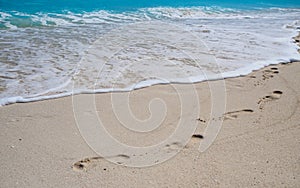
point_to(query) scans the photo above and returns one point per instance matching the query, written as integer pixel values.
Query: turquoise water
(34, 6)
(46, 45)
(21, 12)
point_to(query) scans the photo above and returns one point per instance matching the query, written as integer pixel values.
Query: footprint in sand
(119, 159)
(266, 74)
(273, 96)
(87, 163)
(201, 120)
(235, 114)
(195, 140)
(174, 146)
(269, 73)
(274, 70)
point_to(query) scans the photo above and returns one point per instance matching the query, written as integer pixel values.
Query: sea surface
(50, 49)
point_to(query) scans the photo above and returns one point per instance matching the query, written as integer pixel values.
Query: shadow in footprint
(174, 146)
(275, 95)
(277, 92)
(275, 70)
(269, 73)
(235, 114)
(201, 120)
(198, 136)
(195, 139)
(120, 159)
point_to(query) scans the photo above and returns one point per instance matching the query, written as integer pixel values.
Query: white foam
(139, 49)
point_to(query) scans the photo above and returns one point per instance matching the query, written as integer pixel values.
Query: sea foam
(50, 55)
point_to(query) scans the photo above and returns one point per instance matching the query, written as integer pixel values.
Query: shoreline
(272, 59)
(257, 145)
(19, 99)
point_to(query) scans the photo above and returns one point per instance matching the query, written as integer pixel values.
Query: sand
(258, 144)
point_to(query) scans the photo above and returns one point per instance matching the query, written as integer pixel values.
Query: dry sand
(257, 146)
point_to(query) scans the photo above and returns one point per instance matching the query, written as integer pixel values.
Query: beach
(257, 146)
(149, 94)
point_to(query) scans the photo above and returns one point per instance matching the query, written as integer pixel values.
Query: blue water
(34, 6)
(44, 44)
(37, 7)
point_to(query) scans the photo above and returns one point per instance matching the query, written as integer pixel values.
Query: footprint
(195, 140)
(174, 146)
(235, 114)
(120, 159)
(201, 120)
(273, 96)
(267, 74)
(84, 164)
(87, 163)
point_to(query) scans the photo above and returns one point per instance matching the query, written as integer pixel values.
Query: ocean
(50, 49)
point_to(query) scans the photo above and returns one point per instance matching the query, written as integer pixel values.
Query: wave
(14, 19)
(44, 54)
